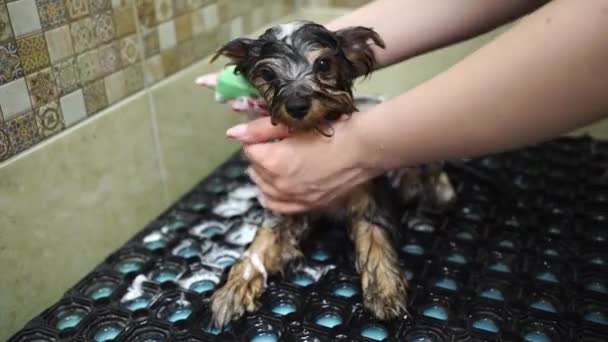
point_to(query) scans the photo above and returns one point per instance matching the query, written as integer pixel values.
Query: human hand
(304, 171)
(245, 104)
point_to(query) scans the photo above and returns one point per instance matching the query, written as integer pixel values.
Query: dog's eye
(267, 74)
(323, 65)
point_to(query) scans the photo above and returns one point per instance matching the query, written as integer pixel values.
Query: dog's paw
(385, 292)
(239, 294)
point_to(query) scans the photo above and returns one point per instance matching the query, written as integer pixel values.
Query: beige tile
(22, 132)
(59, 42)
(236, 28)
(110, 58)
(151, 43)
(146, 12)
(77, 8)
(89, 67)
(33, 52)
(74, 109)
(181, 140)
(129, 50)
(95, 98)
(134, 77)
(124, 20)
(153, 70)
(6, 30)
(166, 35)
(83, 34)
(183, 28)
(66, 75)
(14, 98)
(66, 206)
(52, 13)
(42, 87)
(116, 86)
(49, 119)
(198, 24)
(24, 16)
(211, 16)
(163, 10)
(185, 54)
(104, 26)
(169, 60)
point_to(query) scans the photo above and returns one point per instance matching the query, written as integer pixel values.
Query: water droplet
(108, 332)
(284, 308)
(437, 312)
(598, 261)
(413, 249)
(447, 283)
(536, 336)
(551, 252)
(179, 313)
(492, 293)
(409, 275)
(374, 332)
(329, 319)
(506, 244)
(486, 324)
(69, 320)
(457, 258)
(345, 290)
(465, 236)
(202, 286)
(544, 305)
(265, 336)
(597, 317)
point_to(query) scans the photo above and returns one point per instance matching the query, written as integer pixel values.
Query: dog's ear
(355, 43)
(236, 50)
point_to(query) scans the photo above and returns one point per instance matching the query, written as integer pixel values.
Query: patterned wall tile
(104, 27)
(52, 13)
(129, 50)
(96, 6)
(146, 12)
(33, 53)
(134, 77)
(10, 63)
(197, 22)
(66, 74)
(73, 107)
(236, 28)
(83, 35)
(163, 10)
(49, 119)
(180, 7)
(77, 8)
(185, 54)
(95, 97)
(88, 65)
(169, 60)
(43, 88)
(23, 132)
(116, 86)
(151, 43)
(153, 70)
(14, 98)
(124, 20)
(6, 30)
(59, 42)
(109, 58)
(24, 17)
(5, 143)
(205, 44)
(183, 28)
(211, 16)
(166, 35)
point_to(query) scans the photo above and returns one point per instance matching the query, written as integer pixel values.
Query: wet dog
(305, 73)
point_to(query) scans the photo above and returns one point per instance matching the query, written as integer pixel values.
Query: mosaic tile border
(90, 54)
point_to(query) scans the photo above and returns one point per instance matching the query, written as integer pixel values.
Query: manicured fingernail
(237, 131)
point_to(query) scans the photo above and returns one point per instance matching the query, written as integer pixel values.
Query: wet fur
(291, 51)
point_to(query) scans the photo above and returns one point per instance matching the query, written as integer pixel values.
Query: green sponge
(230, 86)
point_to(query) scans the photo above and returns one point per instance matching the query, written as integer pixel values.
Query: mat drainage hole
(138, 303)
(329, 319)
(129, 266)
(447, 284)
(597, 317)
(188, 252)
(69, 320)
(544, 305)
(536, 336)
(409, 275)
(466, 236)
(548, 277)
(179, 312)
(264, 336)
(320, 255)
(155, 244)
(420, 339)
(107, 332)
(598, 287)
(493, 294)
(166, 275)
(375, 332)
(486, 324)
(457, 258)
(101, 292)
(225, 261)
(413, 249)
(500, 267)
(551, 252)
(346, 291)
(284, 308)
(436, 312)
(302, 280)
(202, 286)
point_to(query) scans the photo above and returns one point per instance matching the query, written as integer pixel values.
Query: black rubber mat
(522, 257)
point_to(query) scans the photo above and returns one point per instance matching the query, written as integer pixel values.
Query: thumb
(257, 131)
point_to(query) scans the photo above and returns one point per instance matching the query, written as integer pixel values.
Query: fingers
(257, 131)
(249, 104)
(265, 185)
(207, 81)
(288, 208)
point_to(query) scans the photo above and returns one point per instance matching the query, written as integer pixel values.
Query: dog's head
(304, 71)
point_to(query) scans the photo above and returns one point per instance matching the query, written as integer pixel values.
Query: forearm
(546, 76)
(413, 27)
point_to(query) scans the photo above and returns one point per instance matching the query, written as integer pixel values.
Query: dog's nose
(298, 106)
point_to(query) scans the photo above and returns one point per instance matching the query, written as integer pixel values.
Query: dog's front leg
(382, 280)
(273, 247)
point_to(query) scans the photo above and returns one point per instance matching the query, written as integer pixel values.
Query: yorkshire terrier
(305, 73)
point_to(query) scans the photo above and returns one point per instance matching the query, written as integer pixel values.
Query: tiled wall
(62, 61)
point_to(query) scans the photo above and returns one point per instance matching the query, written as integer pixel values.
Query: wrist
(362, 152)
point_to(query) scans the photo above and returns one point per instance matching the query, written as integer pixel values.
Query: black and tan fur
(305, 74)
